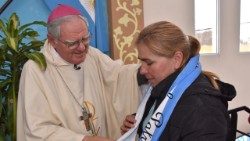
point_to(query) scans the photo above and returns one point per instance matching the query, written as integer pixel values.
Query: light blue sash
(187, 76)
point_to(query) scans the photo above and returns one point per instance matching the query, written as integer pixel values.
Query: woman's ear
(178, 58)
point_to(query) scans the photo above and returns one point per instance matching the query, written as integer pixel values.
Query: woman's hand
(128, 123)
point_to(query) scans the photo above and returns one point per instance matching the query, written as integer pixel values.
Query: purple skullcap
(62, 10)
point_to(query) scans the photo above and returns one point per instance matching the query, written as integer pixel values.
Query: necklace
(86, 115)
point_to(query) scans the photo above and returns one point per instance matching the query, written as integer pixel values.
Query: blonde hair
(212, 78)
(165, 38)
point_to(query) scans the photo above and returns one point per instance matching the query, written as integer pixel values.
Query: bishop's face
(155, 67)
(73, 43)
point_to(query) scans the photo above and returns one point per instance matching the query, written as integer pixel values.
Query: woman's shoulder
(201, 93)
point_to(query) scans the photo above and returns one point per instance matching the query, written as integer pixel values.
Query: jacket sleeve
(35, 120)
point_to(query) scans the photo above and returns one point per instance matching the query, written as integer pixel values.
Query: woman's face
(155, 67)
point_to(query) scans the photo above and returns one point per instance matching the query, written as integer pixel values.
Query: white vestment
(48, 111)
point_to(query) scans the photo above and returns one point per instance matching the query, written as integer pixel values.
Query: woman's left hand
(128, 123)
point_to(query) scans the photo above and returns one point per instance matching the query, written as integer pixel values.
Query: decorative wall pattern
(126, 21)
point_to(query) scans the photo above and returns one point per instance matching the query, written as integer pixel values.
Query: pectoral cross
(86, 117)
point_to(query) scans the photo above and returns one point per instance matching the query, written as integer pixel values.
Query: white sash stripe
(150, 130)
(90, 8)
(131, 134)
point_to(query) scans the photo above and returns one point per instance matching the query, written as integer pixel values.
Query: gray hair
(53, 27)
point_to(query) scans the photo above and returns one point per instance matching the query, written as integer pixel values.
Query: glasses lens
(85, 40)
(72, 45)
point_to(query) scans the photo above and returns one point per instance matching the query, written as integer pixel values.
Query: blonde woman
(183, 103)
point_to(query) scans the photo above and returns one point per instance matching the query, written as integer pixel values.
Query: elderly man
(82, 94)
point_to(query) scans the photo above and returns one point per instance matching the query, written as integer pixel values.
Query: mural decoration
(126, 23)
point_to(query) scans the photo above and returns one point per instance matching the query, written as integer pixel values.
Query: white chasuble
(48, 102)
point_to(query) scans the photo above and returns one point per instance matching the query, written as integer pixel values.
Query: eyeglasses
(74, 44)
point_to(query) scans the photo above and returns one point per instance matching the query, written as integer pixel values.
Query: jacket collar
(161, 89)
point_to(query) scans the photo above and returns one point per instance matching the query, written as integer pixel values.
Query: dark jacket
(200, 114)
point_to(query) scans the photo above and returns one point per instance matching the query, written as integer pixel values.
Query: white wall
(230, 65)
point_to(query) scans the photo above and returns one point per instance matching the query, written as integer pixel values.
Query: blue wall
(28, 11)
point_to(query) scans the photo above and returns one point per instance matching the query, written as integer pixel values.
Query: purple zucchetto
(62, 10)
